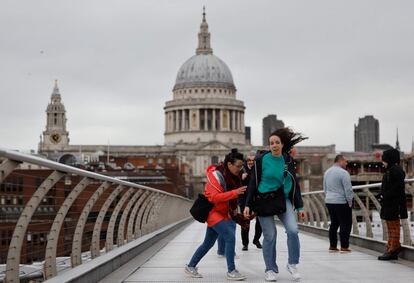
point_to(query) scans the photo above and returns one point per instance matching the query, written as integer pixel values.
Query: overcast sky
(317, 65)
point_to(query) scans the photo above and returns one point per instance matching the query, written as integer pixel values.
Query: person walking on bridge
(393, 201)
(246, 176)
(220, 192)
(274, 190)
(338, 199)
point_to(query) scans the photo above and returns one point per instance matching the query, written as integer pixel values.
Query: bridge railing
(366, 209)
(55, 216)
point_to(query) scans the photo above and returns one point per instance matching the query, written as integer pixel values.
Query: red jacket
(218, 196)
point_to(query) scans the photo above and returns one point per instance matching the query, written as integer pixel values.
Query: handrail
(365, 203)
(142, 211)
(368, 186)
(17, 156)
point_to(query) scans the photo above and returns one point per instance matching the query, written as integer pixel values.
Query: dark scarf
(232, 182)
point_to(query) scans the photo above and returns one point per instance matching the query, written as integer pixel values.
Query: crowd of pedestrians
(264, 185)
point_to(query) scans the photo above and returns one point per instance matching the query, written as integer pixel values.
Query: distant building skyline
(366, 133)
(270, 123)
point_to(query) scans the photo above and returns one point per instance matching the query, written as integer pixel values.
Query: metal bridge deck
(317, 265)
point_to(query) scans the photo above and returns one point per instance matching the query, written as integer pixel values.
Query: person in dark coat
(393, 201)
(247, 172)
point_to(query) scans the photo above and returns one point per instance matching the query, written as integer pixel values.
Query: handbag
(201, 208)
(270, 203)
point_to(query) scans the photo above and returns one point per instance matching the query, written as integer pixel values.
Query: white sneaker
(192, 271)
(270, 276)
(293, 270)
(235, 275)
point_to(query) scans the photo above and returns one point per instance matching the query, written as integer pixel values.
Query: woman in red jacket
(219, 221)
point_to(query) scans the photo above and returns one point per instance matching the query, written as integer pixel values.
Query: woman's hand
(246, 212)
(241, 190)
(301, 215)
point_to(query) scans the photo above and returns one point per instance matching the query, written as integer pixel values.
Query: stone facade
(203, 121)
(55, 137)
(204, 106)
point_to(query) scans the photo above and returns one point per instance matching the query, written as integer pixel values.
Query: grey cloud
(318, 65)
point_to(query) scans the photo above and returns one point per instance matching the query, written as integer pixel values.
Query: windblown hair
(288, 138)
(233, 156)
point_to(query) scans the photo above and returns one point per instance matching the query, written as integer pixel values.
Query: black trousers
(341, 217)
(245, 231)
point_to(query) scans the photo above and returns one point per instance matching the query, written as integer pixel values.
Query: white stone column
(221, 120)
(182, 120)
(205, 120)
(239, 121)
(172, 125)
(176, 121)
(233, 120)
(198, 120)
(242, 122)
(213, 118)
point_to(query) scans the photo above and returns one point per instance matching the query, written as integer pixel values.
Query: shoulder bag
(201, 208)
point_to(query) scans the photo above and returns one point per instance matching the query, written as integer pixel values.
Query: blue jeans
(269, 237)
(226, 230)
(221, 243)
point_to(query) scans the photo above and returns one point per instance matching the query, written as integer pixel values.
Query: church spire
(204, 46)
(56, 93)
(397, 143)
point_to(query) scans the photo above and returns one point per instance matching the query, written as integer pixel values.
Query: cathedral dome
(204, 70)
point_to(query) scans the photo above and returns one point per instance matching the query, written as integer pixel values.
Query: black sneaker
(257, 243)
(245, 248)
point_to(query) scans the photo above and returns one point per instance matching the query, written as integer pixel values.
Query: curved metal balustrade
(366, 208)
(80, 214)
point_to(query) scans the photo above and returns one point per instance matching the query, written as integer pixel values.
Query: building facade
(204, 105)
(270, 124)
(366, 133)
(203, 121)
(55, 137)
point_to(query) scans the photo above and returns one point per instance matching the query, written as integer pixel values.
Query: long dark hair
(232, 157)
(288, 137)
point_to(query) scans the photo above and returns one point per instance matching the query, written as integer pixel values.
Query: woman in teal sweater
(275, 170)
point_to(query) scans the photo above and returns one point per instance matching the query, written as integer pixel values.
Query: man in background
(338, 198)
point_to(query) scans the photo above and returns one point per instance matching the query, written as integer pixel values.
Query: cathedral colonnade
(204, 119)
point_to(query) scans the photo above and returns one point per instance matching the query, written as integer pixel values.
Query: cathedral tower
(55, 137)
